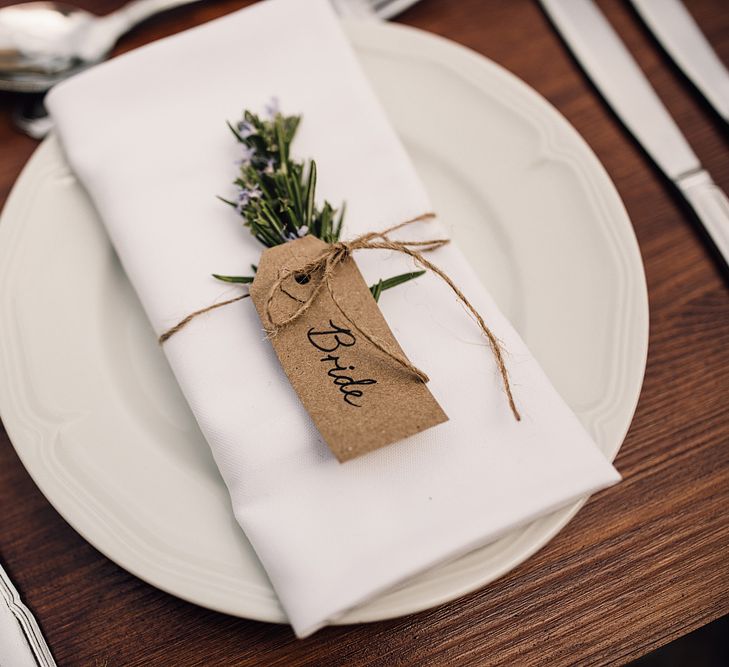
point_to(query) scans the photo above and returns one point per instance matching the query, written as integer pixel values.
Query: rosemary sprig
(277, 195)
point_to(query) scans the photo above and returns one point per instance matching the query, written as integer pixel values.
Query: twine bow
(323, 268)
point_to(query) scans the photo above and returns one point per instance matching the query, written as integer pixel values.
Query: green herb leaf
(235, 132)
(310, 194)
(399, 280)
(376, 290)
(234, 279)
(227, 201)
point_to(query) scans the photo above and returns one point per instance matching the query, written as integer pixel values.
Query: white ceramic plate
(94, 412)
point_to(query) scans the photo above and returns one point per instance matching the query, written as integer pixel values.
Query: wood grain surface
(643, 563)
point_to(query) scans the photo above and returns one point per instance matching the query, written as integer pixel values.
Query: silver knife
(612, 69)
(683, 40)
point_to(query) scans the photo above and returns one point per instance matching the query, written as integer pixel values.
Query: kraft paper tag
(358, 398)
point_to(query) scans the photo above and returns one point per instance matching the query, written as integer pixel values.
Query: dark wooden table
(642, 564)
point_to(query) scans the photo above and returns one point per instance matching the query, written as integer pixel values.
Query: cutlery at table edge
(683, 40)
(611, 67)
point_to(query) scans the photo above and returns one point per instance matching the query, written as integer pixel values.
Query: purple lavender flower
(273, 107)
(292, 236)
(245, 129)
(247, 155)
(246, 195)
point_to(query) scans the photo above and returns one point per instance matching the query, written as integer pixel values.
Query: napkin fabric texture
(145, 133)
(15, 647)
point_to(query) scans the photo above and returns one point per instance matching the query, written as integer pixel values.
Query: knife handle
(711, 206)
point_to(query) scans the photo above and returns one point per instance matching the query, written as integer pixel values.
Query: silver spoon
(42, 43)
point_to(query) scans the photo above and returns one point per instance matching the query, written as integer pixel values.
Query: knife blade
(612, 69)
(683, 40)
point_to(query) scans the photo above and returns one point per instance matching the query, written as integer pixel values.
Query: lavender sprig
(277, 195)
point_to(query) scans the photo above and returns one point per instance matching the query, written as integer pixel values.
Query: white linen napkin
(14, 648)
(21, 641)
(146, 135)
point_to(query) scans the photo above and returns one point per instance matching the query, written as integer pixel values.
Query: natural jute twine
(322, 270)
(185, 321)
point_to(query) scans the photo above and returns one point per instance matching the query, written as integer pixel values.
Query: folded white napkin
(14, 648)
(146, 135)
(20, 636)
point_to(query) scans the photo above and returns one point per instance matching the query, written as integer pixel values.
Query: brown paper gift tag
(358, 398)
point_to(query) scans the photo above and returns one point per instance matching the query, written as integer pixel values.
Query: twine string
(322, 269)
(185, 321)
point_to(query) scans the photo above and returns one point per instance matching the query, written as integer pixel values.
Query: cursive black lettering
(330, 340)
